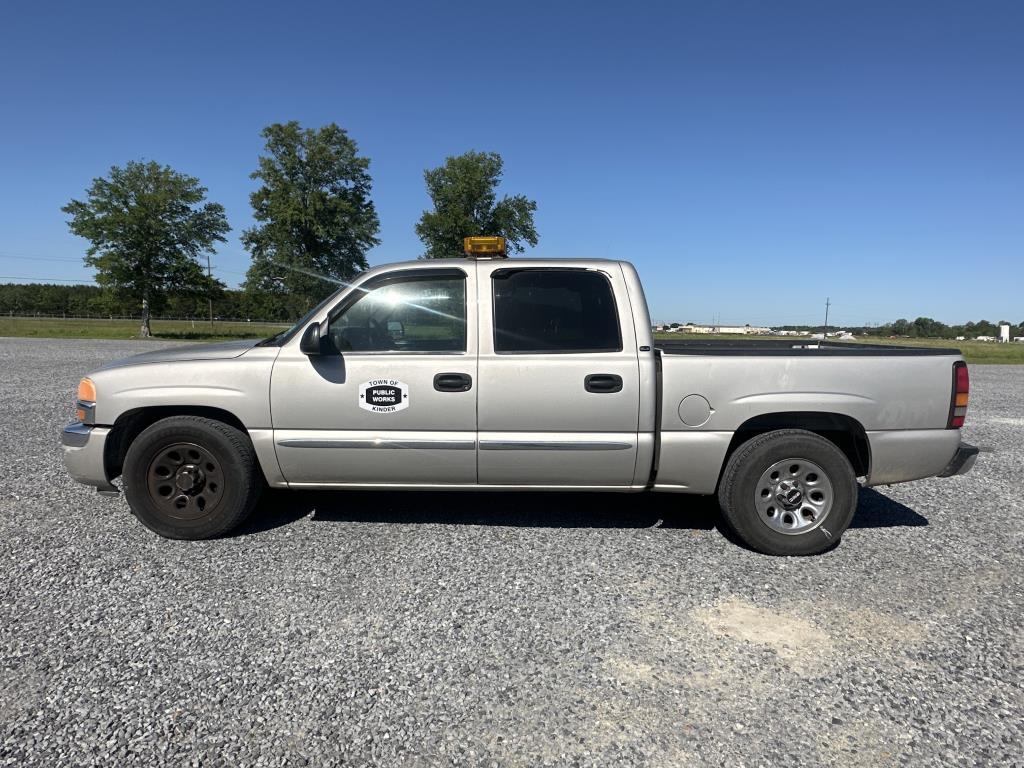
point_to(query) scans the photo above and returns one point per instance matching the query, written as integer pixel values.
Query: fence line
(138, 318)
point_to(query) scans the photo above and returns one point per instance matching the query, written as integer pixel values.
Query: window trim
(401, 275)
(509, 271)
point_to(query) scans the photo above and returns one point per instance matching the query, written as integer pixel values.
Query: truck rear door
(558, 402)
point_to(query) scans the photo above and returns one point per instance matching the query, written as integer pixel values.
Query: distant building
(744, 330)
(984, 338)
(840, 335)
(1004, 333)
(737, 330)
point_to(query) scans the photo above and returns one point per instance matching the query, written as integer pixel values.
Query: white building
(1004, 333)
(736, 330)
(739, 330)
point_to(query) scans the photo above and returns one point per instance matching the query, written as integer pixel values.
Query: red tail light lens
(961, 394)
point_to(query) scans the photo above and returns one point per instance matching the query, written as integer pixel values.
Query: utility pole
(209, 288)
(828, 303)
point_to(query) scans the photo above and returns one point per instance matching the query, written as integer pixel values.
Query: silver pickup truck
(488, 373)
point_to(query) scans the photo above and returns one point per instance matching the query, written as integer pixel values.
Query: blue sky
(751, 158)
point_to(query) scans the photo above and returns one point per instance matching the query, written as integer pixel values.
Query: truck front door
(393, 398)
(559, 376)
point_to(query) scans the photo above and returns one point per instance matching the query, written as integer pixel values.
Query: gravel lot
(537, 629)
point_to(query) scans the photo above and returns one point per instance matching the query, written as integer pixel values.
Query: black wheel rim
(185, 481)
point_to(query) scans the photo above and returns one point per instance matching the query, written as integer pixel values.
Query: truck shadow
(876, 510)
(530, 509)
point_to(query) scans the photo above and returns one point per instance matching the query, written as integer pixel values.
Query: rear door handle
(453, 382)
(603, 382)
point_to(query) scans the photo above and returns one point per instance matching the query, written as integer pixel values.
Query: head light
(87, 391)
(85, 408)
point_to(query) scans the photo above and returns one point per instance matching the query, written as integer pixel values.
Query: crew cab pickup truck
(489, 373)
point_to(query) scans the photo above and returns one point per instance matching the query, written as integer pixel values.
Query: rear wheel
(188, 477)
(788, 492)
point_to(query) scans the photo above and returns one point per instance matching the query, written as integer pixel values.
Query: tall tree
(463, 191)
(316, 218)
(148, 225)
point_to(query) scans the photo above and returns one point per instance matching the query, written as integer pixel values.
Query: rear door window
(554, 310)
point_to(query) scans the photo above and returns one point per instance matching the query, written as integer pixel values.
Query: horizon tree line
(53, 299)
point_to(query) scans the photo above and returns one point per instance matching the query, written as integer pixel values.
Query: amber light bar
(484, 246)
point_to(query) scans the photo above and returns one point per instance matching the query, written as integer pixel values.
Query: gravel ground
(529, 630)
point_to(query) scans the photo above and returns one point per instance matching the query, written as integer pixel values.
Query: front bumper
(962, 461)
(83, 448)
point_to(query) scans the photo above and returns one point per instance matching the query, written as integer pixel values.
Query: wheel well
(130, 425)
(846, 432)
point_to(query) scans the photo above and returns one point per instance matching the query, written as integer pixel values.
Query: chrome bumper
(962, 461)
(83, 446)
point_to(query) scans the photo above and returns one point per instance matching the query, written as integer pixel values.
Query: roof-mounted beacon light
(485, 247)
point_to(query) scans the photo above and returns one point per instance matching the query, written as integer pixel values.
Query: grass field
(975, 352)
(180, 330)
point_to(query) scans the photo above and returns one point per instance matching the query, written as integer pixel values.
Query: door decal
(383, 396)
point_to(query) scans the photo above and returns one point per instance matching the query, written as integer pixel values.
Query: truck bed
(808, 347)
(895, 399)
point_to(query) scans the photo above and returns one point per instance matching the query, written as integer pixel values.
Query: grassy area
(975, 352)
(172, 330)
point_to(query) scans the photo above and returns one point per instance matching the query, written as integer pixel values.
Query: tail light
(961, 394)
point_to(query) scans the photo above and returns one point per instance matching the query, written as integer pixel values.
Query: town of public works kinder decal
(383, 396)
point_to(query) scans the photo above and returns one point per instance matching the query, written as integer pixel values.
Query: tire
(187, 477)
(788, 492)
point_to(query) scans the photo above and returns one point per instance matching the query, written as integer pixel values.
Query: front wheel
(187, 477)
(788, 492)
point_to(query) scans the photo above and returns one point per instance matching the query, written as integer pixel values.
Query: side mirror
(310, 342)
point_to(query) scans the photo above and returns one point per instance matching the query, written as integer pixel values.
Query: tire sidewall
(235, 468)
(744, 472)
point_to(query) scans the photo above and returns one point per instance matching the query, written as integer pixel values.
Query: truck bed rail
(801, 347)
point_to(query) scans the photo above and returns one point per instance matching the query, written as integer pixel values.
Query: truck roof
(465, 262)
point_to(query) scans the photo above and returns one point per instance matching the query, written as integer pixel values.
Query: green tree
(316, 218)
(148, 226)
(901, 327)
(926, 327)
(463, 191)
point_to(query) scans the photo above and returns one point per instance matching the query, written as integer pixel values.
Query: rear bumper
(83, 448)
(962, 461)
(899, 456)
